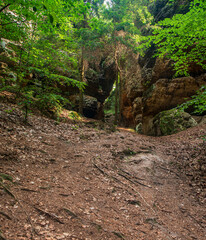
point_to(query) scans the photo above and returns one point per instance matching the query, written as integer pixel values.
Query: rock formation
(149, 83)
(152, 89)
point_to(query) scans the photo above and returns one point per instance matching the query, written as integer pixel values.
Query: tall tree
(121, 14)
(44, 42)
(89, 31)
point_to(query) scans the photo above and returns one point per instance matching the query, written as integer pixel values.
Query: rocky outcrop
(170, 122)
(166, 94)
(100, 76)
(150, 89)
(149, 83)
(133, 90)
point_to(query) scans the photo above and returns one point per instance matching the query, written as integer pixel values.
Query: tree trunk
(120, 96)
(116, 101)
(119, 85)
(116, 90)
(81, 96)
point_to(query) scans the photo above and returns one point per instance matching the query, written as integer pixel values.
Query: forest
(102, 119)
(46, 46)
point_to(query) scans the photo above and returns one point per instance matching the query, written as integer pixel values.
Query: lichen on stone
(171, 121)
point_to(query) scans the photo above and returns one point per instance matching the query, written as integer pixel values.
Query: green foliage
(122, 16)
(50, 38)
(198, 102)
(45, 45)
(204, 138)
(4, 176)
(182, 38)
(110, 104)
(74, 115)
(26, 102)
(51, 102)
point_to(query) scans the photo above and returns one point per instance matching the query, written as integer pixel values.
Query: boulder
(90, 107)
(137, 106)
(200, 119)
(170, 122)
(203, 120)
(162, 69)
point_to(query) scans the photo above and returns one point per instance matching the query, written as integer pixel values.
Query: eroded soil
(84, 181)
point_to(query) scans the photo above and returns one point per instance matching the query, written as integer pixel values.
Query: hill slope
(84, 181)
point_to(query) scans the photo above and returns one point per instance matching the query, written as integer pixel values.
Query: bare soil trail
(85, 181)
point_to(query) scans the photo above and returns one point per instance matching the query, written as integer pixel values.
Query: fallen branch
(28, 190)
(122, 175)
(51, 215)
(5, 215)
(106, 174)
(73, 215)
(126, 185)
(101, 171)
(169, 170)
(27, 215)
(130, 174)
(141, 197)
(119, 235)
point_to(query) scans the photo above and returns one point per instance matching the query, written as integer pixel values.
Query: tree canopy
(182, 38)
(48, 37)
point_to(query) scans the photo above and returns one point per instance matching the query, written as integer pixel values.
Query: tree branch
(5, 7)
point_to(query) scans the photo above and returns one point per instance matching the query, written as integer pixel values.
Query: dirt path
(80, 181)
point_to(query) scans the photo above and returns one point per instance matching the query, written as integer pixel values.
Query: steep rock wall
(153, 89)
(149, 83)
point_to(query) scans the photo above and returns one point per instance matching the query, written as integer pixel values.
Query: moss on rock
(170, 122)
